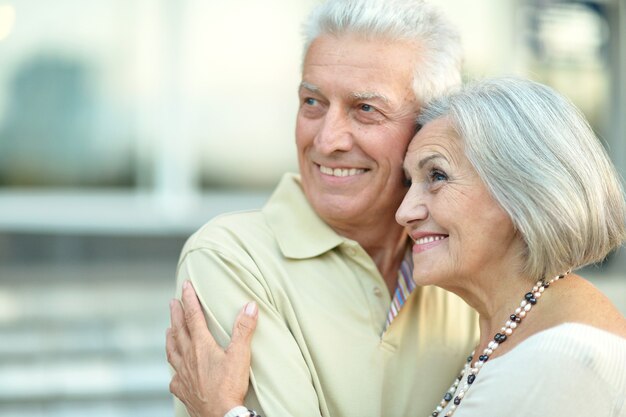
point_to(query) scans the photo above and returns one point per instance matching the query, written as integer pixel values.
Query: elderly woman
(509, 192)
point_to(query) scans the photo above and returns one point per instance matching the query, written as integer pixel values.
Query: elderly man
(325, 261)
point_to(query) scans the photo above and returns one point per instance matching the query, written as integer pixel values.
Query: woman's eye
(437, 175)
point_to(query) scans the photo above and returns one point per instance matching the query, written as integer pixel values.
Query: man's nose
(413, 208)
(335, 133)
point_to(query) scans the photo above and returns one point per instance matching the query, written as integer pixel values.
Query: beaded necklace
(530, 299)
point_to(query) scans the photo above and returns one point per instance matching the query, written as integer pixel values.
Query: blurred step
(30, 339)
(84, 379)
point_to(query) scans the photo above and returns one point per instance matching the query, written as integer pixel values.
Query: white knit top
(571, 370)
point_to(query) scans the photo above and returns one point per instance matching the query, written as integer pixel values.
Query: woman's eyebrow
(425, 160)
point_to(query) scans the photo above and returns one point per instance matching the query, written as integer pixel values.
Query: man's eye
(310, 101)
(367, 108)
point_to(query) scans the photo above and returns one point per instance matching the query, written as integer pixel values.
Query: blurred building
(125, 125)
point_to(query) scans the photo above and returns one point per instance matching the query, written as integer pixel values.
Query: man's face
(357, 115)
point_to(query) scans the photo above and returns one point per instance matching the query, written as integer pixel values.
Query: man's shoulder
(231, 230)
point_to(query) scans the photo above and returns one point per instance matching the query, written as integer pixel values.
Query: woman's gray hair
(543, 164)
(437, 42)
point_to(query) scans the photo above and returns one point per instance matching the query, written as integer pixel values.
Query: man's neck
(386, 246)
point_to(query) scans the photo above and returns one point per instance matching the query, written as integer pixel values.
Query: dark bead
(533, 301)
(518, 319)
(513, 317)
(447, 397)
(528, 295)
(483, 358)
(457, 401)
(499, 337)
(471, 378)
(469, 358)
(435, 414)
(547, 285)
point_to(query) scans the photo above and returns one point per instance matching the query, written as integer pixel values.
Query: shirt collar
(299, 231)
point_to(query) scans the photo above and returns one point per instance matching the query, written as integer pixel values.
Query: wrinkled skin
(208, 379)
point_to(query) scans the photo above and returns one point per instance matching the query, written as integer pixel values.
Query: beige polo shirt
(318, 348)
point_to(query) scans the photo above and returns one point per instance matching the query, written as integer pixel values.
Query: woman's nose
(413, 207)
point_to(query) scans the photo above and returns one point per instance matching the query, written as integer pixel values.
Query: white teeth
(428, 239)
(339, 172)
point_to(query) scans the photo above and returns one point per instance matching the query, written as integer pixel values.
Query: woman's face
(460, 232)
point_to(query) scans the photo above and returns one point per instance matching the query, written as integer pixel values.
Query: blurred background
(125, 125)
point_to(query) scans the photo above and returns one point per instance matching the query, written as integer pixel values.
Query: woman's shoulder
(579, 301)
(571, 369)
(572, 350)
(573, 339)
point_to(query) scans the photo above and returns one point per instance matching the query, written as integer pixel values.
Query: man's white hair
(437, 42)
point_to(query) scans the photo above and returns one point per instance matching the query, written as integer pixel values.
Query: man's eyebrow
(310, 87)
(368, 95)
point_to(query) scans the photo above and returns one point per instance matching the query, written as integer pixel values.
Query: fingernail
(251, 309)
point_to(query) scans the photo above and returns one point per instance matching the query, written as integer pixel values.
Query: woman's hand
(208, 379)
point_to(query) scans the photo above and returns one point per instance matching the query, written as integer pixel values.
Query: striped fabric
(406, 285)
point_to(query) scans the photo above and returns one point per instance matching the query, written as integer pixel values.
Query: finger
(177, 315)
(175, 387)
(244, 328)
(179, 333)
(194, 317)
(173, 355)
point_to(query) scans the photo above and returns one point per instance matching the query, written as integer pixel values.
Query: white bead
(495, 345)
(539, 283)
(518, 310)
(513, 325)
(528, 307)
(522, 314)
(523, 303)
(502, 329)
(508, 332)
(490, 344)
(461, 395)
(508, 323)
(535, 288)
(479, 364)
(489, 351)
(439, 409)
(537, 294)
(542, 289)
(453, 407)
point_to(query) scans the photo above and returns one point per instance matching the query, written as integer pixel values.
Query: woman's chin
(423, 278)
